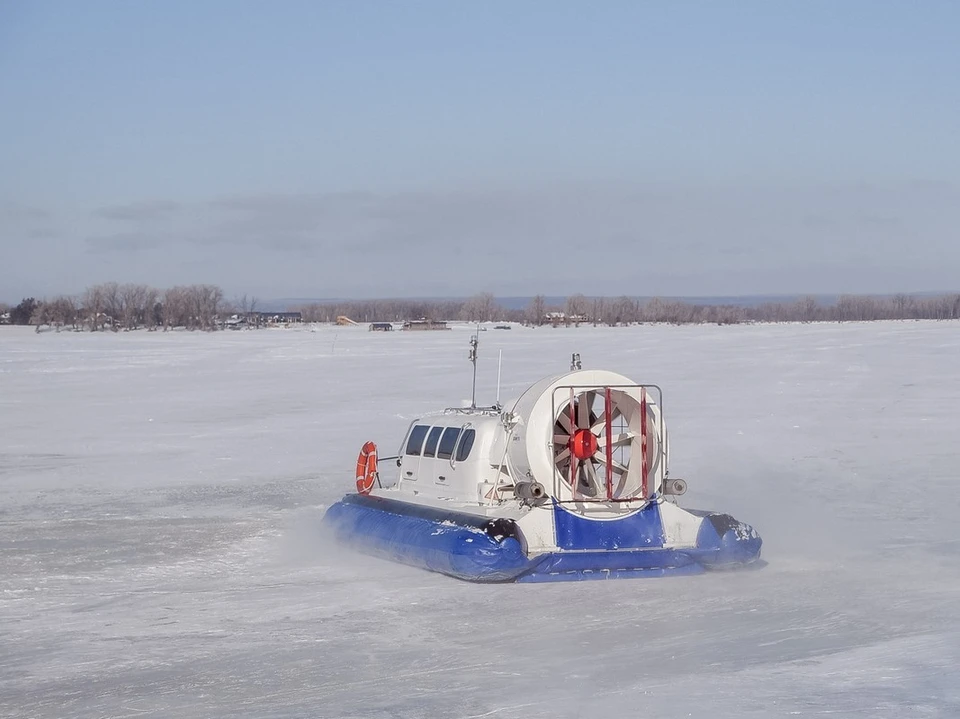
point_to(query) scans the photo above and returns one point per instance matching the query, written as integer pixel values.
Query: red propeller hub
(584, 444)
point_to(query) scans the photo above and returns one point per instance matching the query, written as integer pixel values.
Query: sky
(413, 149)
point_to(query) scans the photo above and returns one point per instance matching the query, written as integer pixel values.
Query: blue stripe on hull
(643, 528)
(626, 560)
(583, 575)
(478, 549)
(388, 530)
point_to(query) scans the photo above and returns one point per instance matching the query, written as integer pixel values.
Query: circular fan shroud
(542, 446)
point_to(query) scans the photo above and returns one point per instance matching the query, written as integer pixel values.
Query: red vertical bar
(643, 440)
(573, 457)
(608, 427)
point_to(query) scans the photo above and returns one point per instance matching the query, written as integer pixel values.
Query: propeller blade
(600, 422)
(591, 397)
(583, 414)
(589, 486)
(614, 464)
(619, 440)
(618, 491)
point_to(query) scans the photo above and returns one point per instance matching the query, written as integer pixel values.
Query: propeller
(595, 436)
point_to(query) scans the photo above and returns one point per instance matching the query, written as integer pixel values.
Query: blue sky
(433, 148)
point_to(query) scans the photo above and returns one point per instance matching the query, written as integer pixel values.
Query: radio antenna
(474, 342)
(499, 365)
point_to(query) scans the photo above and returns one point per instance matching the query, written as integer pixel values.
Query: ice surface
(159, 551)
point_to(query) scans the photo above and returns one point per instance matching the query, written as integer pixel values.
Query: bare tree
(205, 305)
(598, 310)
(537, 310)
(41, 315)
(653, 311)
(133, 303)
(94, 307)
(63, 311)
(479, 308)
(175, 310)
(623, 311)
(805, 310)
(112, 304)
(246, 307)
(152, 309)
(954, 303)
(576, 307)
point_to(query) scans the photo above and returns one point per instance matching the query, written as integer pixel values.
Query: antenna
(499, 365)
(474, 341)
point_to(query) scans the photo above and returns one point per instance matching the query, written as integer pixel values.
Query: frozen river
(159, 550)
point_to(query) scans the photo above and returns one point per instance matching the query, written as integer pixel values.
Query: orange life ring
(367, 468)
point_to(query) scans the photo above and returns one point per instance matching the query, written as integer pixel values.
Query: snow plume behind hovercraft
(568, 482)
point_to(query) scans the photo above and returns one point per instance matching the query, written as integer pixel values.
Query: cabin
(381, 327)
(447, 456)
(424, 324)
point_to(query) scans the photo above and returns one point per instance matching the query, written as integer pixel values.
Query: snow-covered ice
(160, 555)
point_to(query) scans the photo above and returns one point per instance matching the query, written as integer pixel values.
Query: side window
(416, 439)
(447, 442)
(466, 444)
(432, 439)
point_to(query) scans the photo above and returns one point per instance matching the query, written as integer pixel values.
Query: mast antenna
(499, 365)
(474, 342)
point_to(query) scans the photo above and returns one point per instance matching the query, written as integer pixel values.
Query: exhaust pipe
(531, 491)
(675, 486)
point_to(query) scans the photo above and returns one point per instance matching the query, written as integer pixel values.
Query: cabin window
(448, 442)
(432, 440)
(415, 443)
(466, 444)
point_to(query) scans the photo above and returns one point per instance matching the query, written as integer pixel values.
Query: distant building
(562, 318)
(278, 318)
(381, 327)
(424, 324)
(235, 322)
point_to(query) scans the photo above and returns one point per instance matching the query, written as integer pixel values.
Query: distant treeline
(126, 306)
(203, 307)
(579, 309)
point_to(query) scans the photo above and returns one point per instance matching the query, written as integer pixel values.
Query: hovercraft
(568, 482)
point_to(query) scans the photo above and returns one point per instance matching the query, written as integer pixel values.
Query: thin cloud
(15, 212)
(139, 211)
(122, 242)
(554, 240)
